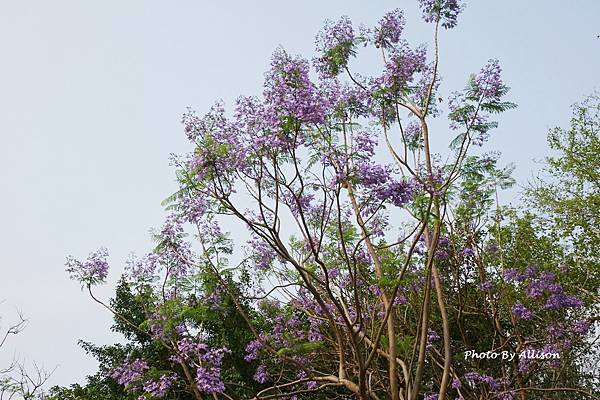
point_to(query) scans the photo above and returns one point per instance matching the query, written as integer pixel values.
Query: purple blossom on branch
(389, 29)
(412, 134)
(335, 44)
(92, 271)
(208, 372)
(209, 380)
(562, 300)
(261, 375)
(467, 252)
(432, 336)
(160, 387)
(289, 93)
(520, 311)
(581, 327)
(130, 372)
(489, 82)
(219, 144)
(472, 377)
(141, 269)
(492, 383)
(262, 253)
(402, 66)
(379, 182)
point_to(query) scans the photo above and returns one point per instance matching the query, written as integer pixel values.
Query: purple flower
(141, 269)
(335, 42)
(432, 336)
(157, 330)
(214, 299)
(160, 387)
(561, 300)
(492, 383)
(530, 273)
(520, 311)
(364, 143)
(263, 254)
(314, 333)
(390, 28)
(289, 93)
(219, 147)
(399, 299)
(412, 134)
(525, 364)
(488, 82)
(261, 375)
(208, 373)
(252, 349)
(208, 379)
(507, 396)
(91, 271)
(581, 327)
(535, 288)
(376, 290)
(379, 182)
(472, 377)
(299, 203)
(441, 254)
(129, 372)
(174, 254)
(444, 11)
(194, 207)
(555, 330)
(402, 66)
(456, 383)
(467, 252)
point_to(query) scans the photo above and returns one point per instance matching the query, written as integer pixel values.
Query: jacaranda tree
(373, 268)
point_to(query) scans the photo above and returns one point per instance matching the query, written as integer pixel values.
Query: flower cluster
(160, 387)
(219, 143)
(173, 253)
(208, 372)
(470, 109)
(540, 285)
(379, 183)
(209, 379)
(412, 135)
(253, 347)
(92, 271)
(335, 43)
(402, 66)
(520, 311)
(262, 253)
(432, 336)
(474, 377)
(130, 372)
(141, 269)
(261, 375)
(488, 81)
(389, 29)
(289, 94)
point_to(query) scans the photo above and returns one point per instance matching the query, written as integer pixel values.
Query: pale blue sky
(91, 94)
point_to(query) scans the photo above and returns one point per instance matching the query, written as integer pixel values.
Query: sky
(91, 98)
